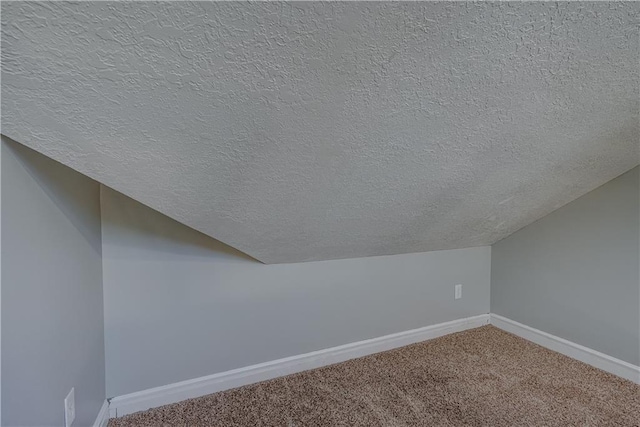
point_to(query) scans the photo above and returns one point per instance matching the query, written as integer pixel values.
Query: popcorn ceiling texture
(307, 131)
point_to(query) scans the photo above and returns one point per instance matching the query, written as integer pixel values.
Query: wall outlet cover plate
(70, 408)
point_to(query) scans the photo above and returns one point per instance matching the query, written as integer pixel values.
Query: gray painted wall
(52, 305)
(179, 305)
(574, 273)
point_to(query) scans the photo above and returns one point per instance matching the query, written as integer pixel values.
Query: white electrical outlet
(458, 291)
(69, 408)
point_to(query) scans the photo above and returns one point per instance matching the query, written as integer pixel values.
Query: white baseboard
(103, 416)
(172, 393)
(176, 392)
(576, 351)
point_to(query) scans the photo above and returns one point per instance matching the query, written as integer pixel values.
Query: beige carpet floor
(480, 377)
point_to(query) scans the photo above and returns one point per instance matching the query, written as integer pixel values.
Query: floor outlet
(69, 408)
(458, 292)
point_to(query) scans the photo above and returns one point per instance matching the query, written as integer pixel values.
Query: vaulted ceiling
(309, 131)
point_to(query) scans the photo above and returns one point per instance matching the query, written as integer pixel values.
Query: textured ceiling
(307, 131)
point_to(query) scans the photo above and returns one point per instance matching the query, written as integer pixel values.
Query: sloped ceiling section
(310, 131)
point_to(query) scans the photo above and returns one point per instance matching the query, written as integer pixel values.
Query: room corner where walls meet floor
(161, 396)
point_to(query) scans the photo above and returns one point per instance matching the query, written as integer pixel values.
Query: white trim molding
(576, 351)
(103, 416)
(176, 392)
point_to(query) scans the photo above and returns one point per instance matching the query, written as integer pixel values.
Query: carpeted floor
(481, 377)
